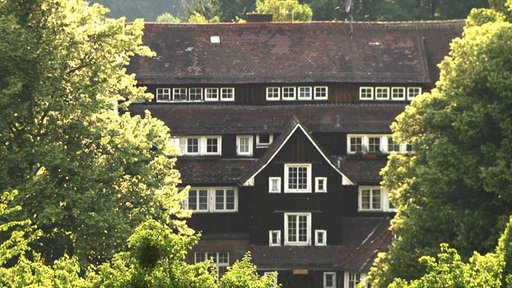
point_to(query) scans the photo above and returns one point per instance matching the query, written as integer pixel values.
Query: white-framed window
(195, 94)
(370, 198)
(397, 93)
(329, 280)
(297, 178)
(374, 198)
(392, 145)
(244, 145)
(297, 229)
(201, 145)
(264, 140)
(381, 93)
(212, 199)
(320, 93)
(320, 237)
(374, 144)
(274, 238)
(305, 93)
(197, 200)
(192, 146)
(355, 144)
(273, 94)
(365, 93)
(227, 94)
(219, 260)
(211, 94)
(413, 92)
(163, 94)
(179, 94)
(274, 184)
(352, 279)
(320, 184)
(288, 93)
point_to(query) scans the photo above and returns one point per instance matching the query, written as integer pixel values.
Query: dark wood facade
(289, 178)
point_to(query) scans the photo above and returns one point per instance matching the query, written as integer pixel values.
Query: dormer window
(244, 145)
(201, 145)
(264, 140)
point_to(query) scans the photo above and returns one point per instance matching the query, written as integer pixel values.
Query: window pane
(376, 199)
(356, 144)
(192, 199)
(219, 199)
(193, 145)
(365, 199)
(212, 145)
(303, 228)
(230, 199)
(203, 200)
(374, 144)
(292, 225)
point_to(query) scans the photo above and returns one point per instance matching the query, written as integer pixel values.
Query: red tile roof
(273, 52)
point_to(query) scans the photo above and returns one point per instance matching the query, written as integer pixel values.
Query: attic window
(215, 39)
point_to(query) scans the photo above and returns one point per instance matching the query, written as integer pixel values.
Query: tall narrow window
(297, 178)
(329, 280)
(274, 238)
(320, 237)
(192, 145)
(212, 145)
(320, 184)
(297, 229)
(244, 145)
(355, 144)
(274, 184)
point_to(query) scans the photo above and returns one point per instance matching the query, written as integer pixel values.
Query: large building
(283, 129)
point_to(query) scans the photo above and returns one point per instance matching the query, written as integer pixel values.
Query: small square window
(373, 144)
(211, 94)
(320, 93)
(264, 140)
(382, 93)
(274, 238)
(320, 184)
(288, 93)
(163, 94)
(274, 184)
(227, 94)
(273, 94)
(398, 93)
(192, 145)
(305, 93)
(413, 92)
(179, 94)
(195, 94)
(212, 145)
(365, 93)
(320, 237)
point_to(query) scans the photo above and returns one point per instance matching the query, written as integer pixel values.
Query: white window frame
(320, 237)
(211, 94)
(271, 181)
(163, 95)
(273, 93)
(211, 200)
(187, 146)
(321, 93)
(219, 260)
(239, 146)
(304, 93)
(331, 275)
(180, 93)
(349, 145)
(352, 279)
(227, 94)
(288, 93)
(198, 207)
(385, 204)
(202, 145)
(381, 93)
(296, 241)
(277, 234)
(371, 146)
(206, 145)
(412, 92)
(260, 144)
(320, 184)
(287, 178)
(397, 93)
(195, 92)
(365, 93)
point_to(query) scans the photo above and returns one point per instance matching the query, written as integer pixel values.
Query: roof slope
(192, 119)
(274, 52)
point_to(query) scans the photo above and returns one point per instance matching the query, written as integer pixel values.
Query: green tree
(203, 11)
(87, 175)
(167, 17)
(243, 274)
(285, 10)
(456, 187)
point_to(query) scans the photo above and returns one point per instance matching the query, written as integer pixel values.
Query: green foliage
(243, 274)
(285, 10)
(167, 17)
(87, 175)
(456, 188)
(146, 9)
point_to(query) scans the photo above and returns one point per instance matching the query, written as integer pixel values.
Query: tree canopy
(456, 187)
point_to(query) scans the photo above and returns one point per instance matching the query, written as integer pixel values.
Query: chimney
(259, 17)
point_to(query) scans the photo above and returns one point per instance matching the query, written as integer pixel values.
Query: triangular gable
(276, 147)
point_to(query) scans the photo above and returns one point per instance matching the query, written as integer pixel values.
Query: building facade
(283, 129)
